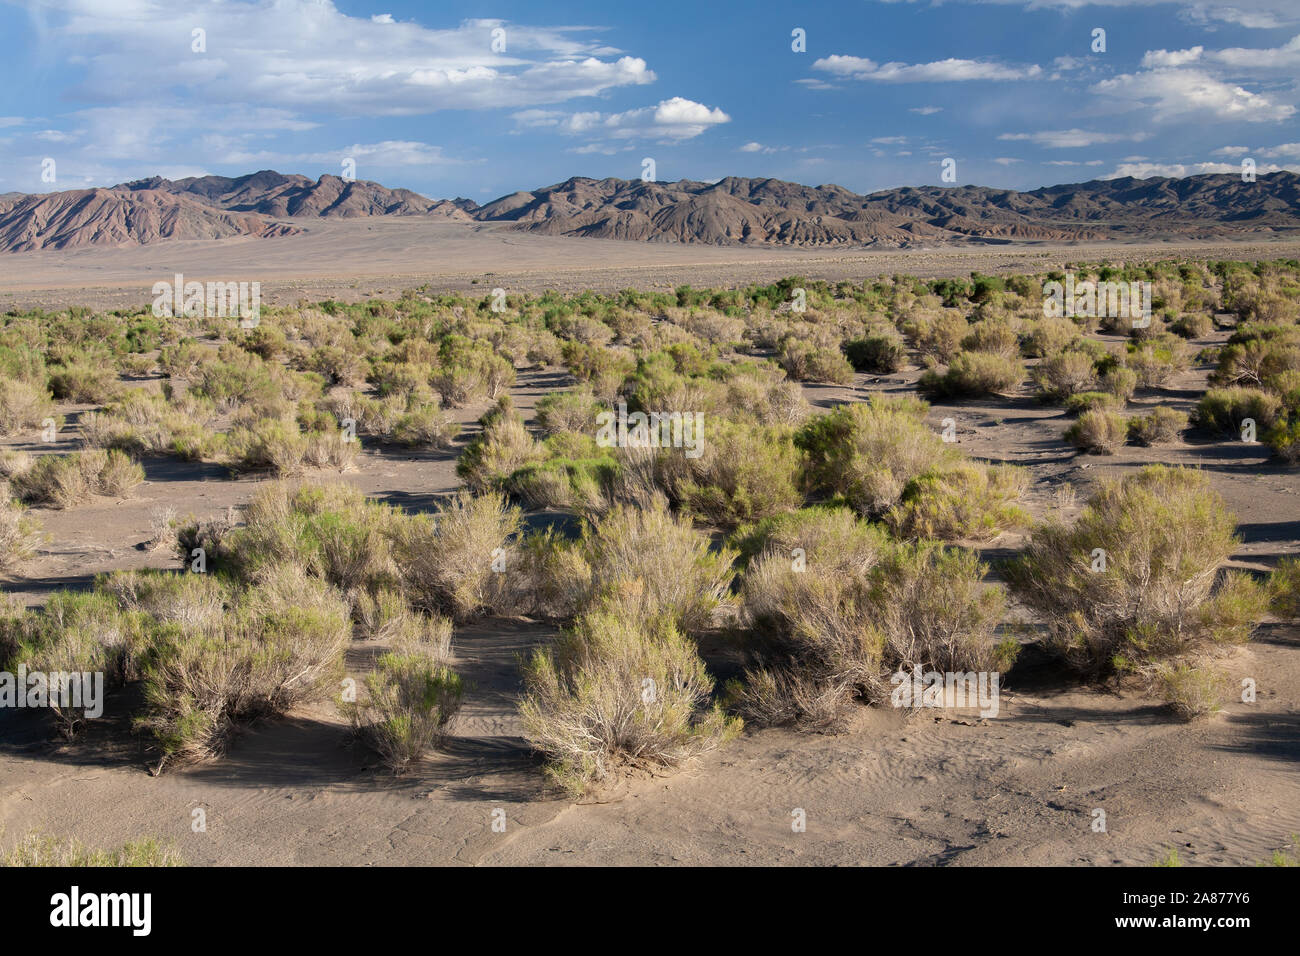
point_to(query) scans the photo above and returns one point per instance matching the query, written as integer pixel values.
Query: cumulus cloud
(670, 120)
(1173, 93)
(1155, 58)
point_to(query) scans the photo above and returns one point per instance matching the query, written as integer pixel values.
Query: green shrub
(868, 452)
(1081, 402)
(743, 473)
(975, 374)
(1224, 409)
(502, 448)
(876, 353)
(411, 697)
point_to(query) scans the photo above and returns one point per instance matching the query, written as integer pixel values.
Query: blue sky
(416, 95)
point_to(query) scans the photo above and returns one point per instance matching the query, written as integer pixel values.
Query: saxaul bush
(1135, 581)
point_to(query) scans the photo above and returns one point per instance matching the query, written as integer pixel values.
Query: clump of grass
(39, 849)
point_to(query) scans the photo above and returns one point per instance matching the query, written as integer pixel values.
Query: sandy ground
(349, 260)
(1022, 788)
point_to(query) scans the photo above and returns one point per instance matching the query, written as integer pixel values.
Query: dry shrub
(869, 452)
(1098, 432)
(1064, 374)
(22, 405)
(831, 620)
(1160, 426)
(278, 646)
(453, 562)
(1157, 540)
(656, 564)
(62, 481)
(970, 500)
(619, 692)
(19, 535)
(1191, 690)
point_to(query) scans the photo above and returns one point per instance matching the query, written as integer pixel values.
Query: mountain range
(735, 210)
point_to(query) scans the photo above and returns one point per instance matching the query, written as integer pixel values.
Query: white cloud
(1230, 151)
(1179, 92)
(1155, 58)
(1179, 170)
(1072, 138)
(308, 54)
(926, 110)
(671, 120)
(1282, 151)
(1007, 161)
(939, 71)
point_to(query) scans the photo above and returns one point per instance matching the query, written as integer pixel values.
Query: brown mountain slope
(769, 211)
(730, 211)
(96, 217)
